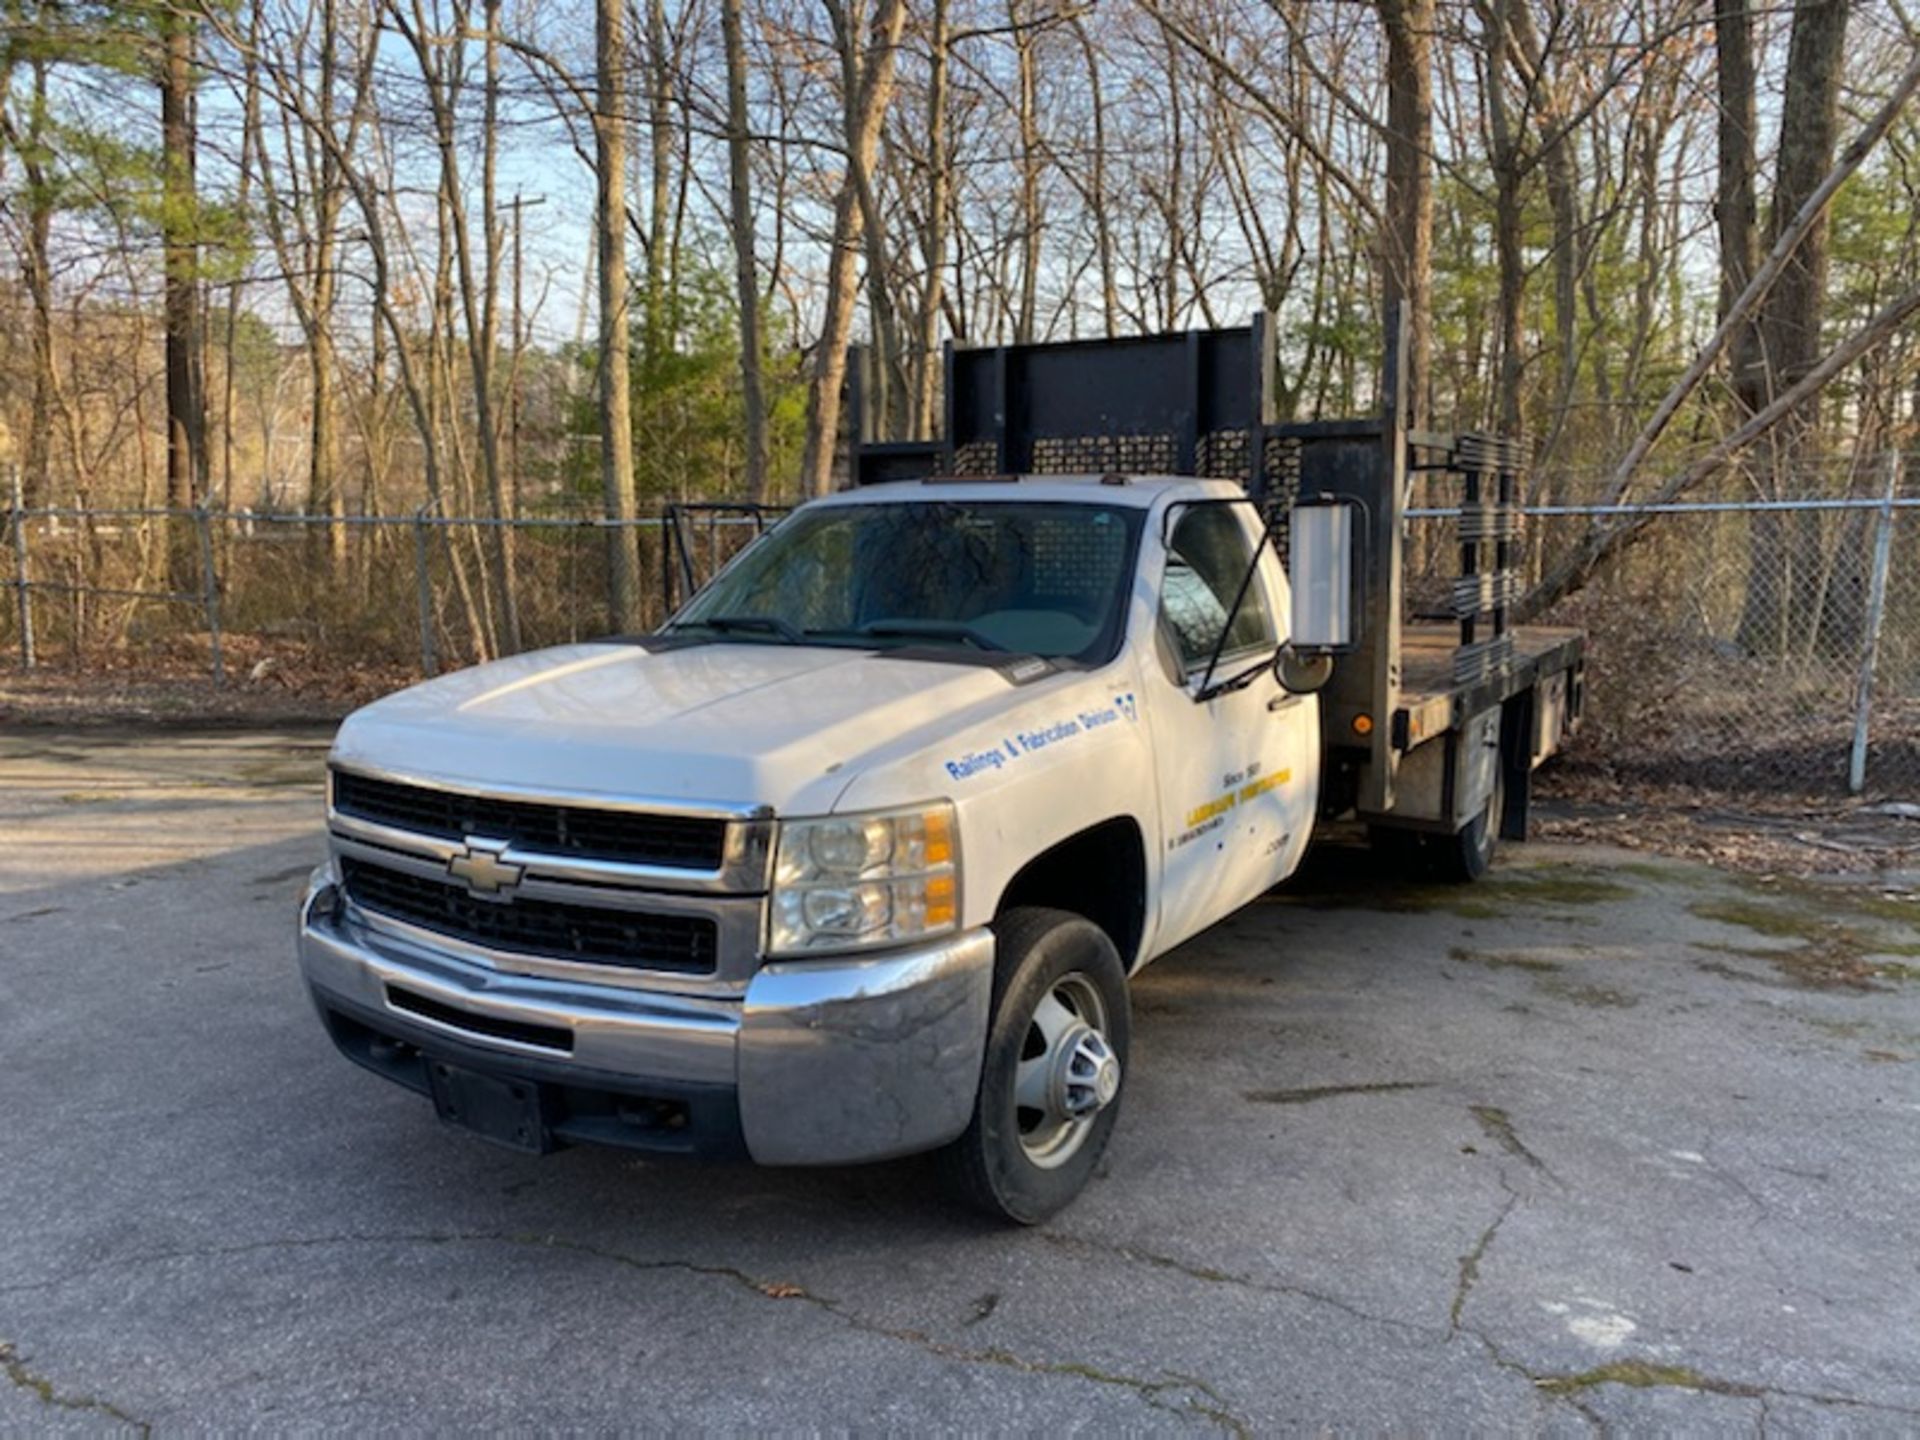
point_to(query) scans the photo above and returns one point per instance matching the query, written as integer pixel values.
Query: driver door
(1235, 772)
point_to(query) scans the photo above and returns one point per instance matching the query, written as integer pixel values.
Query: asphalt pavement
(1602, 1142)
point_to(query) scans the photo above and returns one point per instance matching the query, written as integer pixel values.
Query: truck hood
(735, 724)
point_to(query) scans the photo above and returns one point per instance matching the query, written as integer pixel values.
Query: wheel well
(1100, 873)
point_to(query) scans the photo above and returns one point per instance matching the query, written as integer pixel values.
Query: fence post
(423, 591)
(210, 591)
(1876, 613)
(666, 563)
(19, 516)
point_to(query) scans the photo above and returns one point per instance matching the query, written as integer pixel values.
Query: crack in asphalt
(1470, 1262)
(1212, 1276)
(1649, 1375)
(42, 1389)
(1570, 1387)
(1310, 1093)
(1201, 1399)
(1497, 1125)
(1209, 1404)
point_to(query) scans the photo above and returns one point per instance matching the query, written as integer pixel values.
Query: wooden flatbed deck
(1431, 702)
(1426, 655)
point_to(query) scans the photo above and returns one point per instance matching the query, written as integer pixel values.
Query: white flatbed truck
(855, 856)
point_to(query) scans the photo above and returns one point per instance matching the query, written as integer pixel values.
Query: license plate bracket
(507, 1112)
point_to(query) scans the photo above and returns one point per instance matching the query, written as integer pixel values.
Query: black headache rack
(1203, 403)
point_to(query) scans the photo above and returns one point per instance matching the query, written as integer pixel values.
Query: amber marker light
(1363, 724)
(939, 837)
(941, 909)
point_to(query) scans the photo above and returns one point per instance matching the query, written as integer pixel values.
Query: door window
(1206, 561)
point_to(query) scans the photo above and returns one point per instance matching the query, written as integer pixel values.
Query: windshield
(1023, 577)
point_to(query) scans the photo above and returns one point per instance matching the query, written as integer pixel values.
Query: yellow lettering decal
(1264, 784)
(1200, 814)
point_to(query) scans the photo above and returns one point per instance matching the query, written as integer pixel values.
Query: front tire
(1056, 1059)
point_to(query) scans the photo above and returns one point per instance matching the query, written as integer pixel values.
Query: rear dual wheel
(1055, 1061)
(1465, 855)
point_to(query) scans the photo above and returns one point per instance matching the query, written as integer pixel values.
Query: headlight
(843, 882)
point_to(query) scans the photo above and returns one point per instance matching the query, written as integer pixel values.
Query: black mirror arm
(1238, 681)
(1207, 691)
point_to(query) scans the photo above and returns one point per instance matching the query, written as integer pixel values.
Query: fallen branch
(1609, 533)
(1796, 230)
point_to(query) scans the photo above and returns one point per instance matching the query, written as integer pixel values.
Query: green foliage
(688, 421)
(112, 37)
(86, 169)
(255, 354)
(1875, 238)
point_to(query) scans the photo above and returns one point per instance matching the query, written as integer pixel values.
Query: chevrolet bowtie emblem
(484, 868)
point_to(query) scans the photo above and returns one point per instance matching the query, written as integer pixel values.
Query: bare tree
(303, 223)
(868, 69)
(746, 267)
(1785, 549)
(186, 380)
(610, 222)
(27, 138)
(1407, 241)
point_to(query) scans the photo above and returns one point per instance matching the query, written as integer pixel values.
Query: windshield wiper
(932, 630)
(746, 624)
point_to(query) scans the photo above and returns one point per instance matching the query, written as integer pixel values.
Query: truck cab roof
(1137, 491)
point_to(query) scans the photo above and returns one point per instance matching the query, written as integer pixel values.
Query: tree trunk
(933, 239)
(324, 492)
(1736, 206)
(887, 399)
(1097, 187)
(35, 478)
(610, 219)
(483, 349)
(1024, 41)
(1407, 244)
(746, 271)
(186, 394)
(865, 110)
(1507, 221)
(1561, 165)
(1784, 547)
(654, 327)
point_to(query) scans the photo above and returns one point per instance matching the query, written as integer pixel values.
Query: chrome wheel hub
(1087, 1075)
(1068, 1072)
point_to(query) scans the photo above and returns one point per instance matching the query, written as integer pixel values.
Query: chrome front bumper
(828, 1061)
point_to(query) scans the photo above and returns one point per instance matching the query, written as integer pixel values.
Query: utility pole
(517, 204)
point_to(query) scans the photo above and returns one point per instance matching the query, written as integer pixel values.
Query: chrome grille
(679, 842)
(637, 939)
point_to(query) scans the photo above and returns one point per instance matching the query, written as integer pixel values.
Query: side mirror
(1301, 674)
(1322, 572)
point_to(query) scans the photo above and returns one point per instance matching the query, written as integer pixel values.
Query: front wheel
(1055, 1060)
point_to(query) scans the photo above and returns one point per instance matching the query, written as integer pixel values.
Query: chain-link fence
(419, 592)
(1739, 645)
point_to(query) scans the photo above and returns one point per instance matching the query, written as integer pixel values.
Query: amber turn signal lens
(941, 907)
(939, 837)
(1363, 724)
